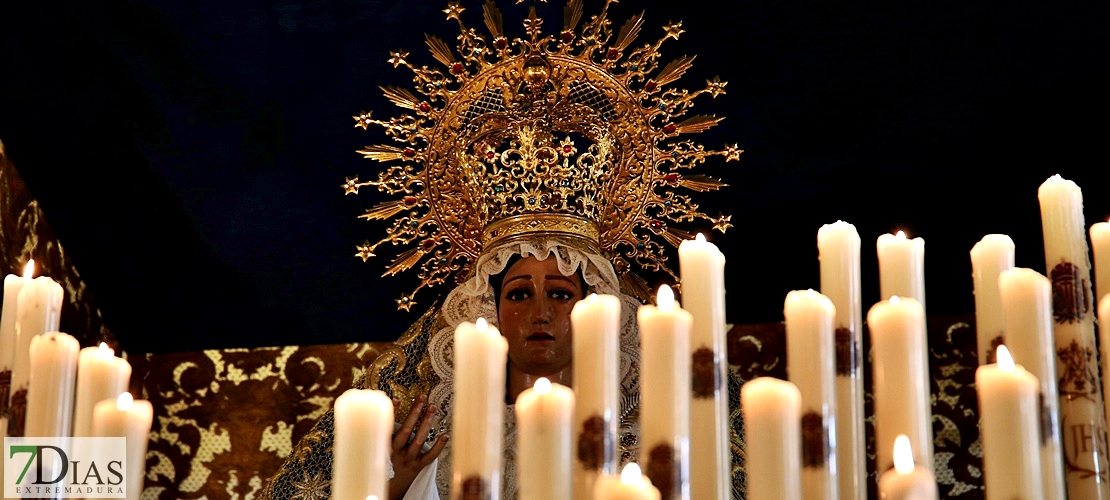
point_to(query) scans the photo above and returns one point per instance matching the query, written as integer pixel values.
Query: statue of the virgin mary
(528, 173)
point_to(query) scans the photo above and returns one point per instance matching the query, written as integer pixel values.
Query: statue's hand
(408, 456)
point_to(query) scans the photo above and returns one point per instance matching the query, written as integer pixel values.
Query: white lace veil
(475, 299)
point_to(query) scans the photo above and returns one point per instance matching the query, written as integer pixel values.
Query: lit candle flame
(542, 386)
(665, 298)
(1005, 360)
(29, 269)
(481, 325)
(700, 237)
(901, 235)
(104, 351)
(903, 454)
(631, 474)
(124, 401)
(894, 300)
(372, 497)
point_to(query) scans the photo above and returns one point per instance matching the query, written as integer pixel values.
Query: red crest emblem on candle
(1071, 293)
(847, 352)
(815, 440)
(474, 488)
(5, 390)
(592, 442)
(704, 374)
(1077, 378)
(17, 413)
(662, 469)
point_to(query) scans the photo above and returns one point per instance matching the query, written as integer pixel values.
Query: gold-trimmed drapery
(226, 419)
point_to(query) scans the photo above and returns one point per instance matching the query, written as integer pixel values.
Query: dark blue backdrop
(189, 154)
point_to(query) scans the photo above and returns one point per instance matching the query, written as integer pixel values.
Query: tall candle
(702, 268)
(906, 481)
(100, 375)
(901, 379)
(1081, 401)
(1026, 299)
(1009, 429)
(630, 485)
(477, 418)
(38, 310)
(50, 388)
(838, 246)
(989, 257)
(809, 365)
(1100, 247)
(12, 285)
(772, 410)
(595, 322)
(902, 274)
(664, 392)
(363, 434)
(1104, 333)
(130, 419)
(543, 417)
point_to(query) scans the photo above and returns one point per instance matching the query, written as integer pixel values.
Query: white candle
(901, 267)
(477, 418)
(630, 485)
(38, 310)
(838, 246)
(1081, 401)
(809, 365)
(12, 285)
(702, 269)
(363, 434)
(1026, 299)
(543, 417)
(50, 388)
(130, 419)
(902, 274)
(989, 257)
(772, 435)
(1009, 429)
(595, 322)
(1104, 332)
(901, 379)
(1100, 247)
(100, 375)
(906, 481)
(664, 393)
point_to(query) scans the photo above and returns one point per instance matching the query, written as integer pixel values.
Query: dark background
(189, 154)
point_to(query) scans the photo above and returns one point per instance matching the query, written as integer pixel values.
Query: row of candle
(550, 417)
(1046, 322)
(670, 391)
(548, 413)
(56, 388)
(824, 385)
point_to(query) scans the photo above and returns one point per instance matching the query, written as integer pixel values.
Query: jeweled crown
(575, 135)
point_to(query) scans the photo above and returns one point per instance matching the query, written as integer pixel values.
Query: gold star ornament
(722, 223)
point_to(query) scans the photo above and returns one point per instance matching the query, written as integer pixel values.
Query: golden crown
(575, 135)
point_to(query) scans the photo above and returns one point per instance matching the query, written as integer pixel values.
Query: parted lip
(540, 336)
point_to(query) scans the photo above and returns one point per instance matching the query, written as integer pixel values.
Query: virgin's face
(534, 315)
